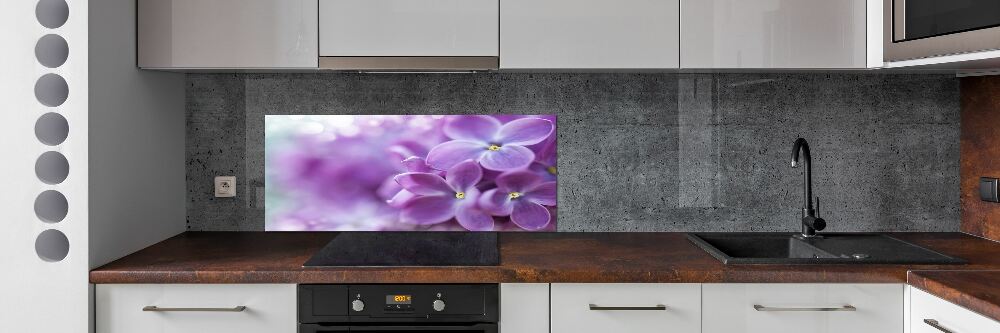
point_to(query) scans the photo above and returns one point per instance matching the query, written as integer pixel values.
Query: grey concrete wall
(637, 152)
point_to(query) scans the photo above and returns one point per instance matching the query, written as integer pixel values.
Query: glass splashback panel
(410, 173)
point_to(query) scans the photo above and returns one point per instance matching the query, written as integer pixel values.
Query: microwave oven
(915, 29)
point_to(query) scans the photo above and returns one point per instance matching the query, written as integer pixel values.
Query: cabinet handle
(595, 307)
(934, 323)
(768, 308)
(159, 309)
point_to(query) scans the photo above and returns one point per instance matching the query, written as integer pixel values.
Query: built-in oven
(378, 308)
(916, 29)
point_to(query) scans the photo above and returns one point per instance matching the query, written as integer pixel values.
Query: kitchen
(175, 168)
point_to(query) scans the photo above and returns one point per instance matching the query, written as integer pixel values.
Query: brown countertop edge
(978, 291)
(277, 257)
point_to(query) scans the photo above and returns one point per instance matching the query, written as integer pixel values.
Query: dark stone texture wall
(637, 152)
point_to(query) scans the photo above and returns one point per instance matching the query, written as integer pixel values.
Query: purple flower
(440, 199)
(485, 140)
(523, 195)
(392, 190)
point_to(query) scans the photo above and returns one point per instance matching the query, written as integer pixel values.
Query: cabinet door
(227, 34)
(426, 28)
(927, 310)
(773, 34)
(524, 307)
(802, 308)
(270, 308)
(582, 34)
(627, 307)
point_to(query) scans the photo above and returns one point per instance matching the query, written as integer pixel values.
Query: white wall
(124, 124)
(137, 186)
(37, 295)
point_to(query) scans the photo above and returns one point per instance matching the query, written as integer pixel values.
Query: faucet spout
(810, 222)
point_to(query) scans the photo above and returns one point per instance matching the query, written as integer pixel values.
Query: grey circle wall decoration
(51, 128)
(52, 245)
(51, 90)
(51, 206)
(51, 51)
(52, 167)
(52, 13)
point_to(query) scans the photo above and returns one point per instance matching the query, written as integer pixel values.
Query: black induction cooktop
(380, 248)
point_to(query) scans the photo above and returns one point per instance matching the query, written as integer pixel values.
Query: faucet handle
(817, 206)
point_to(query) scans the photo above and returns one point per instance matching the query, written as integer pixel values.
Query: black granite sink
(832, 248)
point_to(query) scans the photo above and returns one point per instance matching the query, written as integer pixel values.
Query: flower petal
(400, 199)
(496, 202)
(424, 183)
(472, 128)
(464, 175)
(525, 131)
(473, 219)
(416, 164)
(543, 194)
(518, 181)
(529, 215)
(509, 157)
(428, 210)
(448, 154)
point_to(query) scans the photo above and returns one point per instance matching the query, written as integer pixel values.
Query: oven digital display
(398, 299)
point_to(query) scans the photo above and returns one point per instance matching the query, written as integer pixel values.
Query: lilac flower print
(545, 158)
(523, 195)
(398, 196)
(484, 139)
(440, 199)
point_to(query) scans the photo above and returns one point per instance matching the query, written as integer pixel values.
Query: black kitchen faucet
(810, 221)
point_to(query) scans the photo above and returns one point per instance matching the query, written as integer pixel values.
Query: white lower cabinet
(524, 307)
(186, 308)
(930, 314)
(628, 307)
(802, 308)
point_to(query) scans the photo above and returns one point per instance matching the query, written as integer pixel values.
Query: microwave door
(915, 29)
(916, 19)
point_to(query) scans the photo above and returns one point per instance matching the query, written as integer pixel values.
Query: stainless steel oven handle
(935, 324)
(759, 307)
(595, 307)
(154, 308)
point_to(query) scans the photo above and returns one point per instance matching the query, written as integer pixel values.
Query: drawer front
(269, 308)
(363, 28)
(947, 316)
(633, 308)
(803, 308)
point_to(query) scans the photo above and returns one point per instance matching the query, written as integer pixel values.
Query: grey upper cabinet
(219, 34)
(808, 34)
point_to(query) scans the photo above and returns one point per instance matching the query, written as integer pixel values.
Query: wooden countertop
(277, 257)
(978, 291)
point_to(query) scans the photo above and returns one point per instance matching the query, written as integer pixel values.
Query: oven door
(471, 328)
(916, 29)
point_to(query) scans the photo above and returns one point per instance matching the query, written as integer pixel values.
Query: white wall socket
(225, 186)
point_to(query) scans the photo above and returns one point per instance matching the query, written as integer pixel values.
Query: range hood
(410, 64)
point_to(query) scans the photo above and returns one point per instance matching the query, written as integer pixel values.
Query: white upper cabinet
(779, 34)
(409, 28)
(589, 34)
(227, 34)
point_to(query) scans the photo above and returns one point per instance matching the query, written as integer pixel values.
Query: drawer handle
(595, 307)
(769, 308)
(934, 323)
(159, 309)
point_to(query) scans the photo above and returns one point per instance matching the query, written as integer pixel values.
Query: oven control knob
(358, 305)
(438, 305)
